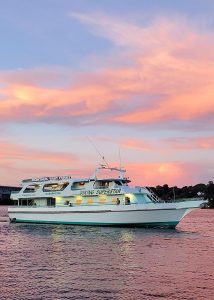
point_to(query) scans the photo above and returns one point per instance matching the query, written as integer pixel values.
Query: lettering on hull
(101, 191)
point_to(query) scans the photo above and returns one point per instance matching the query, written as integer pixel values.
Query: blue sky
(38, 33)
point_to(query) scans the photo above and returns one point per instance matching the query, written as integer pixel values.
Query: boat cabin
(65, 190)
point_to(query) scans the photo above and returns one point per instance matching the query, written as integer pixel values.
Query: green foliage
(169, 193)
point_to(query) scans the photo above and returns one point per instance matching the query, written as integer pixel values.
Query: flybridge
(94, 177)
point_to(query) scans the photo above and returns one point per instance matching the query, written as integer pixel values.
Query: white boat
(105, 201)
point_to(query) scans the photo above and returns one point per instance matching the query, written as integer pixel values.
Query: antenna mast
(120, 158)
(103, 158)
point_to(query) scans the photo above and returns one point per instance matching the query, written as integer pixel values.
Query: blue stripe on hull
(153, 224)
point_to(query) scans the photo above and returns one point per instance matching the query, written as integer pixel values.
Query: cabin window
(52, 187)
(101, 184)
(31, 188)
(78, 185)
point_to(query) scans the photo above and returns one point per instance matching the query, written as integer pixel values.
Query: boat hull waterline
(145, 215)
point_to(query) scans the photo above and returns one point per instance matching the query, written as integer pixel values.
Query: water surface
(77, 262)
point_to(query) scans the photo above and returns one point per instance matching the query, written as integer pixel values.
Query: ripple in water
(76, 262)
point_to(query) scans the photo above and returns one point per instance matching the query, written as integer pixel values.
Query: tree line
(197, 191)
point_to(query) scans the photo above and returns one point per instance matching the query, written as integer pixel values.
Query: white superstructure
(95, 200)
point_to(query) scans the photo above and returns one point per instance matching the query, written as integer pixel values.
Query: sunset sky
(135, 77)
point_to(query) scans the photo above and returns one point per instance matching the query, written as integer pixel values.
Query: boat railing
(152, 195)
(185, 199)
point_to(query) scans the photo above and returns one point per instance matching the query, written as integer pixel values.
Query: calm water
(75, 262)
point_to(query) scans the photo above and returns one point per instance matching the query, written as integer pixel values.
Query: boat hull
(146, 215)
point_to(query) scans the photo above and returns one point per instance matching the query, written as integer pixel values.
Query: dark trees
(169, 193)
(210, 194)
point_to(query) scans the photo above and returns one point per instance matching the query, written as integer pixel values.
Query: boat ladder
(152, 195)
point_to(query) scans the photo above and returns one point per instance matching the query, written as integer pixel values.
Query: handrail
(153, 196)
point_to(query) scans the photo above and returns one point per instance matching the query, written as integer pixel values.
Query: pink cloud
(171, 173)
(165, 81)
(205, 143)
(134, 36)
(161, 76)
(15, 152)
(147, 174)
(137, 144)
(18, 162)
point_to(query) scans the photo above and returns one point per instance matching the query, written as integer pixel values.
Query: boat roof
(64, 179)
(55, 178)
